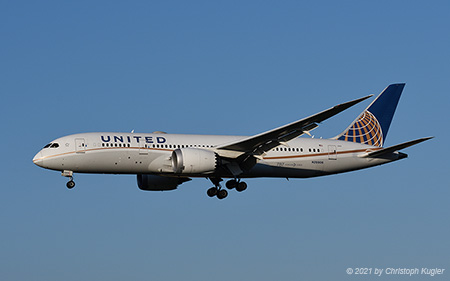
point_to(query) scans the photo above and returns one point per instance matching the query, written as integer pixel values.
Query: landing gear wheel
(70, 184)
(221, 194)
(231, 184)
(212, 191)
(241, 186)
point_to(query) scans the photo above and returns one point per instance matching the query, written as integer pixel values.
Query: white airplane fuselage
(133, 153)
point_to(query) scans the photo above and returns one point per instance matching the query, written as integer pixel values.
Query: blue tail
(372, 126)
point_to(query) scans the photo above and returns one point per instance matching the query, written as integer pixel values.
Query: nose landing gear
(70, 184)
(69, 174)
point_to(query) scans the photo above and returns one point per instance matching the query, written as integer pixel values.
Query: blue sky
(231, 67)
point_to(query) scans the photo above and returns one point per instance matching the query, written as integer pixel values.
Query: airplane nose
(38, 159)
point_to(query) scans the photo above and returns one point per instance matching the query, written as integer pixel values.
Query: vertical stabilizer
(372, 125)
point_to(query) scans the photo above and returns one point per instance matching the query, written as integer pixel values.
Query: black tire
(241, 186)
(231, 184)
(223, 193)
(212, 192)
(70, 184)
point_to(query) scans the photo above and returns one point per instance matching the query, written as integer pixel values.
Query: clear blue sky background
(230, 67)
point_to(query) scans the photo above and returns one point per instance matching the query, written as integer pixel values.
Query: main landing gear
(217, 190)
(69, 174)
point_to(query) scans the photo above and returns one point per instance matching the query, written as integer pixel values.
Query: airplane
(163, 161)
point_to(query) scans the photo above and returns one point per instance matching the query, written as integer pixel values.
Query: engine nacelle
(159, 183)
(194, 161)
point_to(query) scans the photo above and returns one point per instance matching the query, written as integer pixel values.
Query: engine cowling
(194, 161)
(159, 183)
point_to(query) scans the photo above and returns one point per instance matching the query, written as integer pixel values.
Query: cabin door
(332, 152)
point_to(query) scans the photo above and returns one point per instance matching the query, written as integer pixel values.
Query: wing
(259, 144)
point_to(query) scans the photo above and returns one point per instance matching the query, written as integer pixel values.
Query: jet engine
(159, 183)
(194, 161)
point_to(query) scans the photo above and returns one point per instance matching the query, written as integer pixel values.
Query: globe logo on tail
(366, 130)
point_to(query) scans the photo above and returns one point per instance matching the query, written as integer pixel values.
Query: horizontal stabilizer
(394, 148)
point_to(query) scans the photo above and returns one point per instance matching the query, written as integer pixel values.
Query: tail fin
(372, 125)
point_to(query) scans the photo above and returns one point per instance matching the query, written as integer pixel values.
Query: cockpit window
(52, 145)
